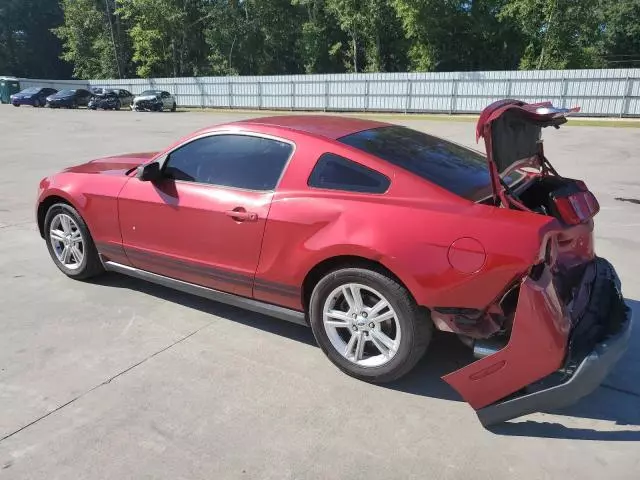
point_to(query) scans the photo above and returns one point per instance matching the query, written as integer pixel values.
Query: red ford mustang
(374, 234)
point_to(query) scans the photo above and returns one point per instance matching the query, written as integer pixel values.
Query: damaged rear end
(560, 327)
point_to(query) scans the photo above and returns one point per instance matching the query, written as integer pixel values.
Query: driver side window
(240, 161)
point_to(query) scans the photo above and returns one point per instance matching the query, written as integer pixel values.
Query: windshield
(30, 90)
(64, 93)
(150, 92)
(453, 167)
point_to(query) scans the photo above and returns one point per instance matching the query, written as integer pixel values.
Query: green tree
(375, 38)
(93, 39)
(320, 40)
(166, 36)
(456, 35)
(621, 42)
(558, 33)
(27, 46)
(254, 37)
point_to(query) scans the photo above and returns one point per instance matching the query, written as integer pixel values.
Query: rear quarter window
(338, 173)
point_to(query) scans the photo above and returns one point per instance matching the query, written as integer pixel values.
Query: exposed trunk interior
(538, 196)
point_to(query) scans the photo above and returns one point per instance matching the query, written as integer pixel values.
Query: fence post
(508, 88)
(454, 95)
(326, 95)
(366, 95)
(259, 95)
(407, 100)
(293, 95)
(230, 90)
(563, 93)
(626, 100)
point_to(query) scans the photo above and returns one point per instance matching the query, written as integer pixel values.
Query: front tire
(36, 103)
(70, 244)
(368, 324)
(174, 107)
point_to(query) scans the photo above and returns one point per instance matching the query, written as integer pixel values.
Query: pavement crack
(621, 390)
(106, 382)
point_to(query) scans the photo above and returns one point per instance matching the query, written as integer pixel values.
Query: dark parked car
(35, 96)
(69, 98)
(111, 99)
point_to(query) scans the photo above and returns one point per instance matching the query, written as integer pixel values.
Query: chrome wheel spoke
(76, 236)
(57, 235)
(338, 318)
(357, 297)
(77, 254)
(385, 316)
(65, 256)
(360, 346)
(377, 308)
(379, 345)
(65, 222)
(348, 349)
(384, 340)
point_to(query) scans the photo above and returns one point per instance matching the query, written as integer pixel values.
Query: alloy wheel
(67, 241)
(361, 325)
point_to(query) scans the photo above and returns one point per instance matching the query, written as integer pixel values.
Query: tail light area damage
(554, 333)
(559, 350)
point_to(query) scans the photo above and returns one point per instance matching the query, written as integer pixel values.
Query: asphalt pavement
(119, 379)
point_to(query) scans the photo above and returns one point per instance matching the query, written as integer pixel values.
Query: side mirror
(149, 172)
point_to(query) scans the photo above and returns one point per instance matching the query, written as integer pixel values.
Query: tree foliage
(155, 38)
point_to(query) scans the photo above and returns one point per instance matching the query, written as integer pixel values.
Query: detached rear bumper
(557, 353)
(587, 377)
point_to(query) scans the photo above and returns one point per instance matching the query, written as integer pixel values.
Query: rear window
(455, 168)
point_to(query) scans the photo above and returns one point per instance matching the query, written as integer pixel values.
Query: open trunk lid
(512, 130)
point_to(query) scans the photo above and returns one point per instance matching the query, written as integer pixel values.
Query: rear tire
(117, 107)
(36, 103)
(370, 342)
(174, 107)
(70, 244)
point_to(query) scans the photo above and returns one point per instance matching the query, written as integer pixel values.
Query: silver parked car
(154, 101)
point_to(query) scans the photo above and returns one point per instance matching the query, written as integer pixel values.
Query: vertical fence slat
(626, 101)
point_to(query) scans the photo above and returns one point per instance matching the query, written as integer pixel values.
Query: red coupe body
(478, 269)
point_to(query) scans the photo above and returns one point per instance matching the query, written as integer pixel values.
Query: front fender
(95, 197)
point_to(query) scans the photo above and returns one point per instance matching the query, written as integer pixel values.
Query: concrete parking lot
(118, 379)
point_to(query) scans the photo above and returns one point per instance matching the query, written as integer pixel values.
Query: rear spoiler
(512, 130)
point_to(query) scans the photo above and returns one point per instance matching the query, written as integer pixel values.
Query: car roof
(328, 126)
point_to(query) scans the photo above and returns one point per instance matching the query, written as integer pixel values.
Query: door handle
(239, 214)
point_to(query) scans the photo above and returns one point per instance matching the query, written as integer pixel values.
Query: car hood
(146, 97)
(512, 130)
(115, 165)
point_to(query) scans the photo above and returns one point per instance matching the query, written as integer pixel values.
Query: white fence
(612, 92)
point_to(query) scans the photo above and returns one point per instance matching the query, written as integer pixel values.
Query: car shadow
(267, 324)
(616, 401)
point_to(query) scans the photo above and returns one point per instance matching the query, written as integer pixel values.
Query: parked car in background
(111, 99)
(374, 235)
(34, 96)
(154, 101)
(70, 98)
